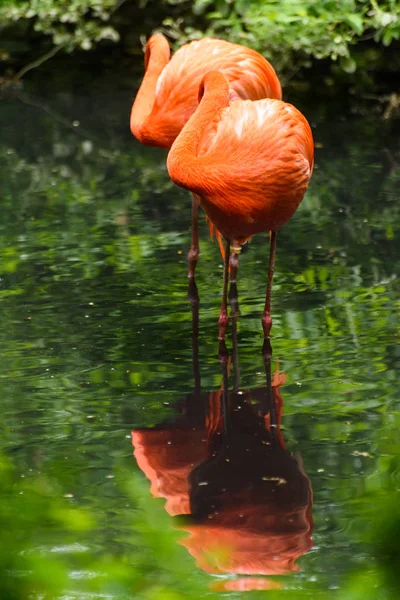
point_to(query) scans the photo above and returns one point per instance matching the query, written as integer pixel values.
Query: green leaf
(356, 22)
(348, 64)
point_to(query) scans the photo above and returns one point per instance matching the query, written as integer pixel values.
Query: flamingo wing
(176, 97)
(256, 159)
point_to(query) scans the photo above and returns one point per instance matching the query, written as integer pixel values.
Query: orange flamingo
(168, 95)
(249, 162)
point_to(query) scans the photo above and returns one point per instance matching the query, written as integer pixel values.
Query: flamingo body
(250, 164)
(168, 95)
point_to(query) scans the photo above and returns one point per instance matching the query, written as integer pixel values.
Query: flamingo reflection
(223, 464)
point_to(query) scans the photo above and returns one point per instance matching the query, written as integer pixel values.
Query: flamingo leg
(268, 404)
(235, 355)
(194, 248)
(225, 396)
(233, 269)
(194, 300)
(223, 316)
(266, 318)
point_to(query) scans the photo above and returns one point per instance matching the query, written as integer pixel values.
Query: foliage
(292, 33)
(289, 30)
(80, 23)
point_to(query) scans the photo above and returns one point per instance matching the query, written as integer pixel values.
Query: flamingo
(249, 163)
(168, 96)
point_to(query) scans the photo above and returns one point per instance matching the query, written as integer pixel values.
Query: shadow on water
(222, 463)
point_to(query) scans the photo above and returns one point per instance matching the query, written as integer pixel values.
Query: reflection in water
(223, 464)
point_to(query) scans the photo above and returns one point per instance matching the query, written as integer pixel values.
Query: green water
(96, 341)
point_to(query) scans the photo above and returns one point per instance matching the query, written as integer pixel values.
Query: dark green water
(96, 341)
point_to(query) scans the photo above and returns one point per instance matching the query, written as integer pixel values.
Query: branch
(38, 62)
(117, 7)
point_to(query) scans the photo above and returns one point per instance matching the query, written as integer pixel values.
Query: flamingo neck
(157, 56)
(183, 162)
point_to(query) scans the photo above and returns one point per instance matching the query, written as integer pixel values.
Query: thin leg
(223, 356)
(225, 402)
(194, 248)
(233, 269)
(235, 355)
(268, 406)
(266, 318)
(223, 316)
(194, 299)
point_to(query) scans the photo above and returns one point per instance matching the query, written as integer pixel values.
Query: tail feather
(218, 235)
